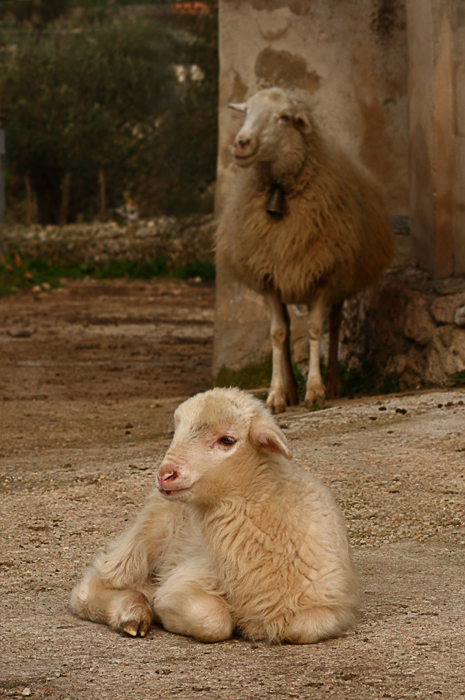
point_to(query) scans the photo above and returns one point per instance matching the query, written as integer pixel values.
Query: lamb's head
(274, 130)
(219, 435)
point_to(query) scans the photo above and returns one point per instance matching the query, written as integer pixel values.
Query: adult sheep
(233, 538)
(302, 224)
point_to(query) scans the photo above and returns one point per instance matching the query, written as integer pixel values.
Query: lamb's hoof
(137, 619)
(315, 397)
(276, 401)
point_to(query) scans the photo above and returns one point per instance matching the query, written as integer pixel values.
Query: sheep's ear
(302, 122)
(238, 106)
(266, 434)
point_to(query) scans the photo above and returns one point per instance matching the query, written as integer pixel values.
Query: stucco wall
(437, 134)
(351, 55)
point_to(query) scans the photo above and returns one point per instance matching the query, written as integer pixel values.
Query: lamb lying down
(232, 538)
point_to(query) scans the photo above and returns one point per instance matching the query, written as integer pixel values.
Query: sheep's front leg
(117, 589)
(125, 610)
(332, 379)
(283, 387)
(315, 388)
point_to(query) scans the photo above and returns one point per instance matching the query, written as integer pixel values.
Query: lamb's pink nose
(167, 474)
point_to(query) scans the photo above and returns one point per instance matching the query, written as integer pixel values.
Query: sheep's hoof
(315, 397)
(137, 619)
(276, 401)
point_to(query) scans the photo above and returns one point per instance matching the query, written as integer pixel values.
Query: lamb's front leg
(315, 387)
(283, 389)
(117, 589)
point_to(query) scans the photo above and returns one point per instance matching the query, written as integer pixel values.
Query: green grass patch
(363, 380)
(16, 273)
(457, 378)
(252, 376)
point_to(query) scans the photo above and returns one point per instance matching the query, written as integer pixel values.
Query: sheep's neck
(294, 176)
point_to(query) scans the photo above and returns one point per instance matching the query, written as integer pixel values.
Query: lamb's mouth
(166, 492)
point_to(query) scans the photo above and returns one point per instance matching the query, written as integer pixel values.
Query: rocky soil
(90, 376)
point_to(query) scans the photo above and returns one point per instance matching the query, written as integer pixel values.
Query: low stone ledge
(410, 328)
(177, 240)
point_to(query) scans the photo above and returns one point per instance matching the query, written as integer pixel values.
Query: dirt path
(89, 379)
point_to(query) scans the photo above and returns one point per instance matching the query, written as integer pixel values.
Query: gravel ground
(79, 447)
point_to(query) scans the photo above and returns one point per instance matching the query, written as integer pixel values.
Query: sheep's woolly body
(335, 231)
(272, 568)
(255, 544)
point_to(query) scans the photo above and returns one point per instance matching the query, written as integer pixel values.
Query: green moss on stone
(252, 376)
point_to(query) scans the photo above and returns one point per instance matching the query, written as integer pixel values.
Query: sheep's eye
(285, 118)
(227, 441)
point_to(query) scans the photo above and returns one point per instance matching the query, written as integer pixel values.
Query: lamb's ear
(302, 122)
(266, 435)
(238, 106)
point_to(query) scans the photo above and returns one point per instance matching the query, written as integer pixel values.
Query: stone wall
(411, 329)
(178, 241)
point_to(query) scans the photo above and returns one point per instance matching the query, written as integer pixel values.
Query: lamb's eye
(227, 440)
(285, 118)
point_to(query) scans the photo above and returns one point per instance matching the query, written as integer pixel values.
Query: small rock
(26, 691)
(459, 317)
(37, 289)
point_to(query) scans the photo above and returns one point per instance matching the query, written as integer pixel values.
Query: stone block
(444, 308)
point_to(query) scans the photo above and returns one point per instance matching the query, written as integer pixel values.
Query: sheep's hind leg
(317, 624)
(315, 388)
(283, 387)
(332, 379)
(184, 607)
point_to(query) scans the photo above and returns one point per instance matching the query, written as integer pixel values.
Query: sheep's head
(273, 131)
(217, 435)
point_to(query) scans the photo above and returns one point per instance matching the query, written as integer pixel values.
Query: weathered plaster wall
(437, 133)
(351, 55)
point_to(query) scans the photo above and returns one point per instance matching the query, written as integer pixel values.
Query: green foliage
(106, 97)
(37, 12)
(205, 270)
(362, 380)
(457, 378)
(16, 273)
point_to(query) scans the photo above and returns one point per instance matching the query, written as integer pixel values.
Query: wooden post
(436, 44)
(2, 178)
(103, 203)
(27, 184)
(65, 199)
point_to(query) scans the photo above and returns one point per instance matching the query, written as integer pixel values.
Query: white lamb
(303, 223)
(232, 538)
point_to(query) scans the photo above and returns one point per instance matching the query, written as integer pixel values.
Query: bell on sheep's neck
(277, 204)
